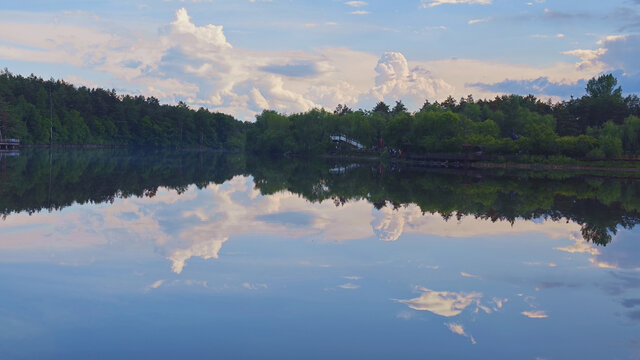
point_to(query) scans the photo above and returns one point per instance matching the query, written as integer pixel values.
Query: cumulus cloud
(588, 58)
(208, 37)
(197, 64)
(389, 225)
(203, 249)
(397, 80)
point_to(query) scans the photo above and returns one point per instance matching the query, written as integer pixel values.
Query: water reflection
(367, 255)
(200, 221)
(599, 205)
(444, 303)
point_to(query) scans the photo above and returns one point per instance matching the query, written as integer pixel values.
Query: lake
(132, 254)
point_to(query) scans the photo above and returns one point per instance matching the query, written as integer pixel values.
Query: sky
(243, 56)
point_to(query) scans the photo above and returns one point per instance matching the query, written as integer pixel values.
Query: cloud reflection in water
(443, 303)
(197, 223)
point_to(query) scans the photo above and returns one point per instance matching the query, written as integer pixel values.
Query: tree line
(30, 108)
(602, 123)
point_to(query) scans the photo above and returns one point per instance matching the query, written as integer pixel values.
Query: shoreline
(498, 165)
(373, 157)
(508, 165)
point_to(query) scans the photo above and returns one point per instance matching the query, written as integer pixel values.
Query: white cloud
(603, 264)
(433, 3)
(390, 224)
(538, 314)
(459, 330)
(580, 246)
(203, 249)
(396, 80)
(543, 36)
(467, 275)
(197, 64)
(251, 286)
(356, 3)
(155, 285)
(360, 12)
(477, 21)
(499, 303)
(443, 303)
(589, 59)
(611, 38)
(349, 286)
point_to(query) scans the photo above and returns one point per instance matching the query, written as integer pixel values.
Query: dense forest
(40, 180)
(31, 106)
(602, 123)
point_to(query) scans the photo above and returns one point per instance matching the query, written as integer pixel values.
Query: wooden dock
(440, 160)
(9, 144)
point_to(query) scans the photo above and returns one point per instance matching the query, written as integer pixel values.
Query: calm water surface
(129, 255)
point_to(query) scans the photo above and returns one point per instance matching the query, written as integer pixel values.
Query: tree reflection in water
(32, 183)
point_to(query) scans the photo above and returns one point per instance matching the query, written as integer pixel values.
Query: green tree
(399, 108)
(381, 108)
(604, 86)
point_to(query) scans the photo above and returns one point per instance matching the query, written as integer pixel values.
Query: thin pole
(50, 118)
(50, 171)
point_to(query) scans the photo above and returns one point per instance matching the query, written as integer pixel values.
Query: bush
(611, 146)
(596, 153)
(578, 146)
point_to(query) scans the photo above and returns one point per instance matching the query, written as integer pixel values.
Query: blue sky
(242, 56)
